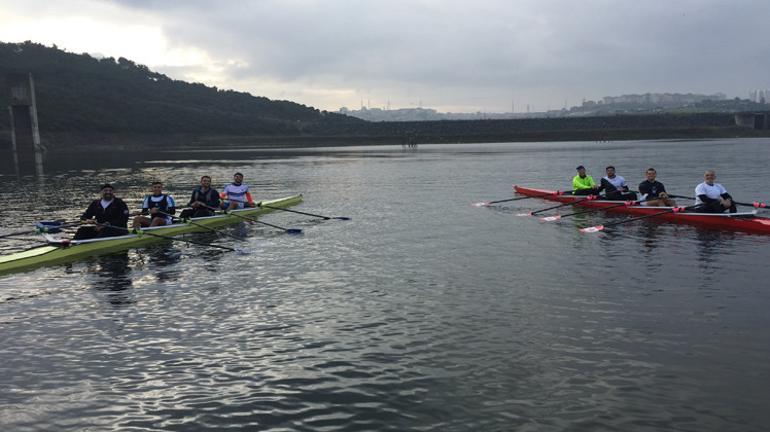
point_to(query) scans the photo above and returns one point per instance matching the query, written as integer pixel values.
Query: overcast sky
(461, 56)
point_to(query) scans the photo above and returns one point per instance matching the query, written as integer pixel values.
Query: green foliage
(79, 93)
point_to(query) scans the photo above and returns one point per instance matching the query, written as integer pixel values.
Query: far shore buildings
(678, 99)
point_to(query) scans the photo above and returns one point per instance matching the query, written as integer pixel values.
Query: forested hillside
(80, 93)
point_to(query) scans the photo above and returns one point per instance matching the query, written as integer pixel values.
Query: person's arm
(170, 205)
(624, 186)
(215, 201)
(146, 205)
(90, 212)
(605, 185)
(192, 200)
(120, 217)
(576, 183)
(249, 199)
(644, 189)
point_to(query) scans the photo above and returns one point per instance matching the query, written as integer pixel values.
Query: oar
(287, 230)
(557, 217)
(598, 228)
(215, 231)
(43, 227)
(755, 204)
(588, 198)
(489, 203)
(18, 233)
(141, 232)
(345, 218)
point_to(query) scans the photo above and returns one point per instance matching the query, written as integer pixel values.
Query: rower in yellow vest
(583, 184)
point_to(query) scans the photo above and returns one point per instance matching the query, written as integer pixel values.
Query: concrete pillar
(25, 135)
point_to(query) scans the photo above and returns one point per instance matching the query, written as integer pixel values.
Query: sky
(452, 56)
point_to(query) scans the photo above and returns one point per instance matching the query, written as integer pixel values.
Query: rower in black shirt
(203, 199)
(653, 192)
(108, 215)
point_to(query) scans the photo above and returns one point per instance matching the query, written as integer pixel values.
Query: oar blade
(343, 218)
(593, 229)
(481, 204)
(550, 218)
(293, 231)
(524, 214)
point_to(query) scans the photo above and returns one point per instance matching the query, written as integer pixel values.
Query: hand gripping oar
(287, 230)
(215, 231)
(345, 218)
(141, 232)
(598, 228)
(755, 204)
(489, 203)
(588, 198)
(557, 217)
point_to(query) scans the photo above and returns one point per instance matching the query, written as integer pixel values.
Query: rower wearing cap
(582, 183)
(712, 197)
(154, 205)
(654, 192)
(615, 187)
(236, 195)
(106, 216)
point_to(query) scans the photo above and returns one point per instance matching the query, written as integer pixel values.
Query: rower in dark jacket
(108, 216)
(203, 199)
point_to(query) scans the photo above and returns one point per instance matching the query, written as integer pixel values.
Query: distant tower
(527, 108)
(25, 136)
(513, 107)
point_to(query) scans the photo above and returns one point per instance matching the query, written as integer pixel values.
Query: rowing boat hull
(745, 222)
(63, 252)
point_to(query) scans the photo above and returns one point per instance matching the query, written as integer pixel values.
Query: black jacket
(115, 214)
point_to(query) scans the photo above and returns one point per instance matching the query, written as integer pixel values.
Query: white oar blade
(550, 218)
(524, 214)
(481, 204)
(592, 229)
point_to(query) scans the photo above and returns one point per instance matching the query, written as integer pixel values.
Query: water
(422, 313)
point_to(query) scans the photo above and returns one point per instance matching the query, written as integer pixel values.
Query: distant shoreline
(84, 143)
(56, 143)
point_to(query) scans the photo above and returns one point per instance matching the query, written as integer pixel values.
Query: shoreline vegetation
(87, 104)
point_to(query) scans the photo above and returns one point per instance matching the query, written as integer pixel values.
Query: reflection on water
(421, 313)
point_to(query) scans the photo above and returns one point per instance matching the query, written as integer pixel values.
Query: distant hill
(80, 93)
(90, 103)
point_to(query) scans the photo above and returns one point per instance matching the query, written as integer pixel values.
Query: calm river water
(422, 313)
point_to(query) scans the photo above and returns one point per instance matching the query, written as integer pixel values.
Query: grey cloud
(488, 49)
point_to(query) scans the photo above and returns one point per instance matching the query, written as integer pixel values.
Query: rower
(712, 197)
(615, 187)
(236, 195)
(203, 199)
(154, 205)
(583, 184)
(108, 216)
(653, 192)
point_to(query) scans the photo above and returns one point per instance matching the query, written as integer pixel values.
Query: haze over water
(422, 313)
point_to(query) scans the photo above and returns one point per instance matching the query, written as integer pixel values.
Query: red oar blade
(524, 214)
(481, 204)
(550, 218)
(592, 229)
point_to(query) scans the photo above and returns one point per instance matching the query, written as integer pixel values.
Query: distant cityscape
(609, 105)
